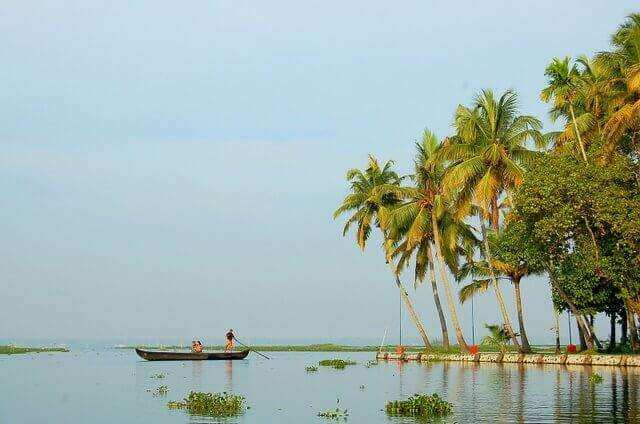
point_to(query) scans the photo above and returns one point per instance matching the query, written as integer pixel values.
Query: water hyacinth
(335, 414)
(595, 378)
(211, 404)
(311, 368)
(338, 364)
(420, 405)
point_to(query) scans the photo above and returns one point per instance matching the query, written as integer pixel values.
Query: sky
(169, 170)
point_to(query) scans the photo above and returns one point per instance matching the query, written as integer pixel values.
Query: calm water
(110, 386)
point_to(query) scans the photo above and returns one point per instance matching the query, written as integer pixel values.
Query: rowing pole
(251, 349)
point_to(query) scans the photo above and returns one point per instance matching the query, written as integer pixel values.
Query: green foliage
(420, 406)
(311, 368)
(595, 378)
(211, 404)
(498, 337)
(161, 391)
(14, 350)
(159, 375)
(338, 364)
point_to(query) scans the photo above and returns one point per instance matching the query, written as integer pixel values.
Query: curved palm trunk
(447, 286)
(436, 299)
(526, 347)
(496, 287)
(413, 315)
(575, 128)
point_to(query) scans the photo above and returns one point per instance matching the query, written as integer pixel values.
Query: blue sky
(170, 169)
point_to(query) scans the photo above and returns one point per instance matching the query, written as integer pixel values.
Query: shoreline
(519, 358)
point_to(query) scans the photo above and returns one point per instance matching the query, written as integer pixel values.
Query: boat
(190, 356)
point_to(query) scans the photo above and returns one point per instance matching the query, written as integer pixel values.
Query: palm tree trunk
(495, 214)
(496, 287)
(436, 299)
(413, 315)
(575, 128)
(557, 330)
(447, 286)
(526, 347)
(612, 333)
(633, 330)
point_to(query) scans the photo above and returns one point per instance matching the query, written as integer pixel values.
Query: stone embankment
(519, 358)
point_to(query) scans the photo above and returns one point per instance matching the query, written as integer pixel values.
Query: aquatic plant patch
(158, 375)
(338, 364)
(211, 404)
(420, 405)
(595, 378)
(161, 391)
(311, 368)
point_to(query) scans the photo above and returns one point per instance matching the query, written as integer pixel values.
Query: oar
(251, 349)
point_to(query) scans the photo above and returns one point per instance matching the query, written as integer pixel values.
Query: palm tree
(488, 155)
(420, 222)
(481, 284)
(623, 67)
(372, 195)
(563, 80)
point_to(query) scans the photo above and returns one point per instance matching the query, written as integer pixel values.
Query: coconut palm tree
(488, 155)
(372, 195)
(623, 67)
(422, 221)
(563, 85)
(481, 283)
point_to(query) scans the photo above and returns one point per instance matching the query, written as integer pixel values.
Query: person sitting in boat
(196, 346)
(230, 338)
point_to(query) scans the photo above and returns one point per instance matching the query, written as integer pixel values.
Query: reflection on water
(117, 387)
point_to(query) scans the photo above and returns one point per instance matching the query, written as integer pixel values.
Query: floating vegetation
(311, 368)
(14, 350)
(371, 363)
(158, 375)
(335, 414)
(420, 405)
(161, 391)
(595, 378)
(338, 364)
(362, 387)
(211, 404)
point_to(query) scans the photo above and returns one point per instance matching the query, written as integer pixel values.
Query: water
(110, 386)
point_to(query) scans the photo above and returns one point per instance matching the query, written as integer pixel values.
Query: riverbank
(16, 350)
(519, 358)
(323, 347)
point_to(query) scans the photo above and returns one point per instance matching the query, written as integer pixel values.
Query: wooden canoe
(190, 356)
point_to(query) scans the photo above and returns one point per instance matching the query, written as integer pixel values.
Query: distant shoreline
(17, 350)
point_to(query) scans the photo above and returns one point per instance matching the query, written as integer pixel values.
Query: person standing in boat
(230, 339)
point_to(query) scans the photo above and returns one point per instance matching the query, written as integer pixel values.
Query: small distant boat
(190, 356)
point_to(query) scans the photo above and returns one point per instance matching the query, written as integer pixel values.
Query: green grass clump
(338, 364)
(420, 405)
(158, 375)
(311, 368)
(14, 350)
(595, 378)
(211, 404)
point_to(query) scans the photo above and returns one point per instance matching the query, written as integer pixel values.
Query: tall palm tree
(420, 222)
(563, 85)
(372, 195)
(488, 155)
(623, 66)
